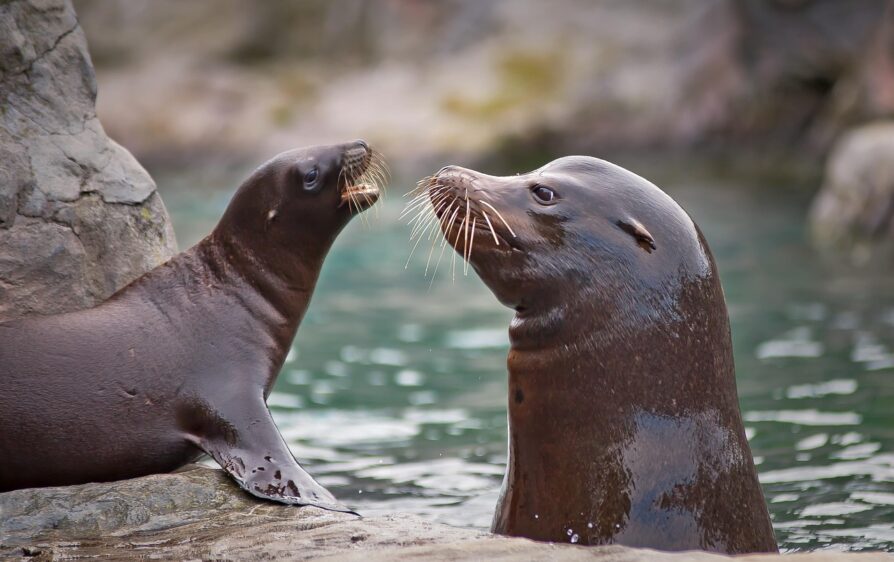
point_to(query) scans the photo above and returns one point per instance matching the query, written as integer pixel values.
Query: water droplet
(589, 525)
(536, 516)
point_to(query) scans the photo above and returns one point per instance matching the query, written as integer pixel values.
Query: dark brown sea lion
(624, 424)
(181, 361)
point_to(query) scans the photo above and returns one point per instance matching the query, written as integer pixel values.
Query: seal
(624, 422)
(181, 361)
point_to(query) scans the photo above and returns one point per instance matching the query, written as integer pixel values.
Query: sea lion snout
(363, 173)
(467, 203)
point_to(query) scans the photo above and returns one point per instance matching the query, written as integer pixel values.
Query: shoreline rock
(853, 213)
(198, 513)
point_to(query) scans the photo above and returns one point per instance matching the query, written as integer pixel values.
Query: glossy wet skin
(181, 361)
(623, 416)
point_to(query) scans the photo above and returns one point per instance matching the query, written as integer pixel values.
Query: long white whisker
(471, 245)
(456, 242)
(413, 250)
(491, 227)
(421, 214)
(466, 233)
(431, 215)
(441, 224)
(421, 201)
(501, 217)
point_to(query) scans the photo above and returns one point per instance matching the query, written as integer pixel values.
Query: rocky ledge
(198, 513)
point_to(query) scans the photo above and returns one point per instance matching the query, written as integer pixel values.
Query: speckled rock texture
(79, 216)
(198, 513)
(853, 214)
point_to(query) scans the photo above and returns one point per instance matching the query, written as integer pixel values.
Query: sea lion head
(576, 231)
(301, 199)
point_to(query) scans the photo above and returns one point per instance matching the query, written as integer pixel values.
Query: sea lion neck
(285, 283)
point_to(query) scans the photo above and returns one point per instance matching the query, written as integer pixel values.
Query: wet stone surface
(198, 513)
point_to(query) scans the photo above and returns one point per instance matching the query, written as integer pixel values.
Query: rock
(853, 213)
(79, 217)
(199, 513)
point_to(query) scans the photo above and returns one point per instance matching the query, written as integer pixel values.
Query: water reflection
(394, 395)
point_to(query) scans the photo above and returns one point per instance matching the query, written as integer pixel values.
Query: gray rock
(79, 217)
(198, 513)
(853, 214)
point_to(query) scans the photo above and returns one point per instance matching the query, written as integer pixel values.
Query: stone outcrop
(79, 217)
(853, 214)
(198, 513)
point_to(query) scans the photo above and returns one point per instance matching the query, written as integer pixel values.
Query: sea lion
(624, 423)
(181, 361)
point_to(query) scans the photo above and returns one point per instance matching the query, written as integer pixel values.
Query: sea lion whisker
(421, 186)
(380, 158)
(431, 218)
(426, 213)
(434, 240)
(491, 227)
(451, 222)
(471, 245)
(424, 218)
(438, 263)
(412, 251)
(466, 227)
(421, 200)
(377, 159)
(438, 200)
(417, 211)
(430, 215)
(501, 218)
(459, 232)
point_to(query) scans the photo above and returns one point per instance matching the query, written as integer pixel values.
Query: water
(394, 393)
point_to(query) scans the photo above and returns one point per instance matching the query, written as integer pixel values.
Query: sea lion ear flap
(634, 228)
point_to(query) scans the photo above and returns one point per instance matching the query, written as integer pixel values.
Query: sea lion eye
(544, 194)
(311, 177)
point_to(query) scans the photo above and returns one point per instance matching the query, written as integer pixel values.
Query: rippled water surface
(394, 392)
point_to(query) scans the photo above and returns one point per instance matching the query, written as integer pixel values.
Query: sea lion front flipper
(249, 447)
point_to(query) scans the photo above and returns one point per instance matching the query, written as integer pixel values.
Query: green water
(393, 395)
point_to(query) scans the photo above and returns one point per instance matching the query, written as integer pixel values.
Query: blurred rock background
(764, 85)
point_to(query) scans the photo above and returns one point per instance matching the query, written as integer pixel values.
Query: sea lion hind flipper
(250, 448)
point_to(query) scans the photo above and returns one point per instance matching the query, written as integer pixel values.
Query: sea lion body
(624, 423)
(181, 361)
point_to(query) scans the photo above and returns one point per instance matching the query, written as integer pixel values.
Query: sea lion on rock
(624, 423)
(181, 361)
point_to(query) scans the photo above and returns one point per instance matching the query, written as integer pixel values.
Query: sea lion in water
(624, 424)
(181, 361)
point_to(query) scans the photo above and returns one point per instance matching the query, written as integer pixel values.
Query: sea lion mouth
(364, 175)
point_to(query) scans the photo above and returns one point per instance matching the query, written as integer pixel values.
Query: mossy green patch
(524, 77)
